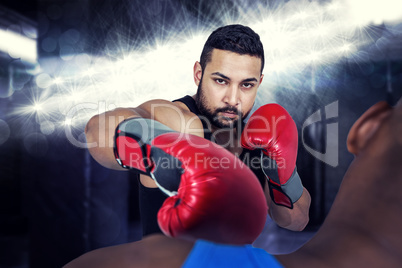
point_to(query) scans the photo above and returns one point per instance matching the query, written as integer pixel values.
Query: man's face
(228, 86)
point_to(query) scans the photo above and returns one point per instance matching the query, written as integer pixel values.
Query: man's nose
(232, 96)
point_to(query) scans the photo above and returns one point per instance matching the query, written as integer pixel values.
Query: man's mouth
(229, 114)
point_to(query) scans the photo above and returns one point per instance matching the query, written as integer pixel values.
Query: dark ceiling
(24, 7)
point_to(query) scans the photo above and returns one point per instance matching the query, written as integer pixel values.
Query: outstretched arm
(100, 129)
(99, 133)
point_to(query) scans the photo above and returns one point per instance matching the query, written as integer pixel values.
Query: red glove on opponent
(273, 130)
(213, 195)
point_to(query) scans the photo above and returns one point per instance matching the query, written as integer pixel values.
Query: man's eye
(220, 81)
(248, 85)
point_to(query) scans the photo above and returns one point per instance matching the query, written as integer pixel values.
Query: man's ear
(365, 127)
(261, 77)
(197, 73)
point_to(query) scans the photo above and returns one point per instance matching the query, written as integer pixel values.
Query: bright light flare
(68, 122)
(89, 72)
(363, 12)
(58, 81)
(347, 48)
(18, 46)
(37, 107)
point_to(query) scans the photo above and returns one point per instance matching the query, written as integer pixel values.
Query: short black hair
(235, 38)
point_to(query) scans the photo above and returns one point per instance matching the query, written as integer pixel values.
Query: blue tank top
(209, 254)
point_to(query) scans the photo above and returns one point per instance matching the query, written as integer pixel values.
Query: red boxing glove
(217, 198)
(273, 130)
(132, 150)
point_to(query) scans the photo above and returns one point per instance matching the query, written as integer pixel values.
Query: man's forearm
(99, 133)
(294, 219)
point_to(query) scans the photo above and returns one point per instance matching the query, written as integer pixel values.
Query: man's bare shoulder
(164, 105)
(175, 115)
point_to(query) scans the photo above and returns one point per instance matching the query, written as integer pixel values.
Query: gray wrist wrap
(145, 129)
